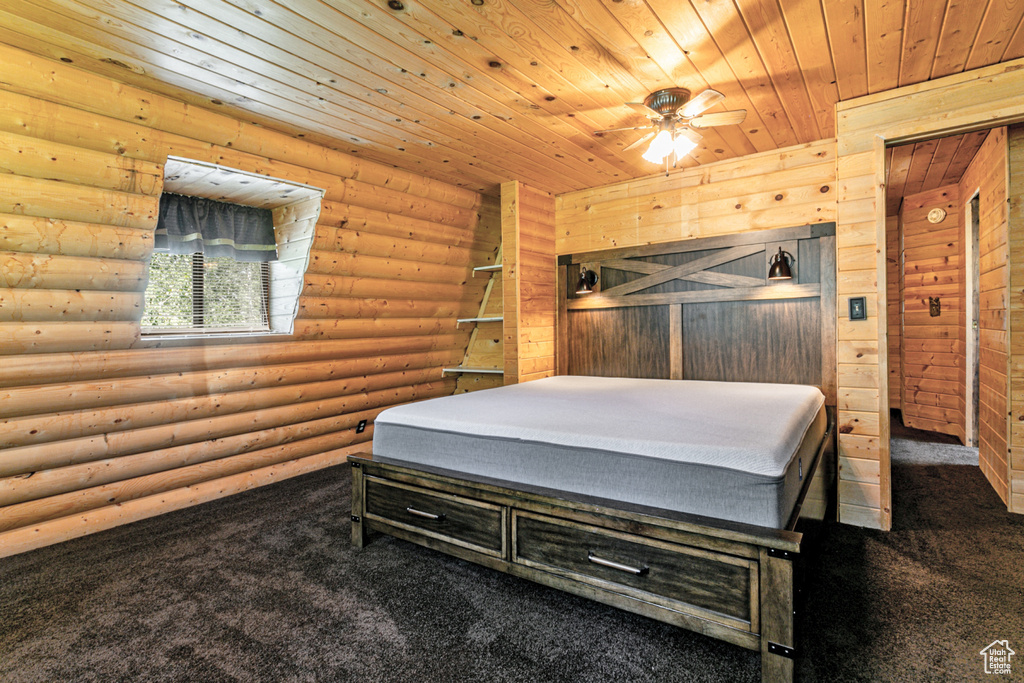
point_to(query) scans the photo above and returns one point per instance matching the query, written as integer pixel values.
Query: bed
(677, 465)
(646, 494)
(668, 444)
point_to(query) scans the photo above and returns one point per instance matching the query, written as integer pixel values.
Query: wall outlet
(361, 427)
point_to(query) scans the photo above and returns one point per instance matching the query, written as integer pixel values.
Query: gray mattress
(729, 450)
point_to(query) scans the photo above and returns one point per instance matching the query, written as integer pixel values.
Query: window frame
(284, 281)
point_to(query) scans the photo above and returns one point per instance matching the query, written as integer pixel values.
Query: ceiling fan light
(661, 147)
(683, 145)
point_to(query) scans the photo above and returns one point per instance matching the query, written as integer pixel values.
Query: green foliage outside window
(190, 292)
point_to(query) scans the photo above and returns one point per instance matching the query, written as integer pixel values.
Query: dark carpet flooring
(264, 587)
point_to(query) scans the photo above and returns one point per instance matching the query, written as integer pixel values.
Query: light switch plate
(858, 308)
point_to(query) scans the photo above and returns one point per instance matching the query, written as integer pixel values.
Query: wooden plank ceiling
(477, 92)
(915, 168)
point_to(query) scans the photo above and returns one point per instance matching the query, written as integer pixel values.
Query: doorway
(941, 216)
(979, 99)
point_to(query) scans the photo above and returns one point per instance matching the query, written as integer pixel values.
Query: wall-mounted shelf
(483, 363)
(492, 319)
(482, 371)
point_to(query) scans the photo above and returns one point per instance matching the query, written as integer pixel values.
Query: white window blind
(193, 293)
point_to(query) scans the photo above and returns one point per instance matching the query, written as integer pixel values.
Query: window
(216, 269)
(190, 292)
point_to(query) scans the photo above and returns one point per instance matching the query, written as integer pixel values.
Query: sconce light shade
(779, 268)
(588, 279)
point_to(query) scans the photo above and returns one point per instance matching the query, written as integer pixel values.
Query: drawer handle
(639, 571)
(425, 515)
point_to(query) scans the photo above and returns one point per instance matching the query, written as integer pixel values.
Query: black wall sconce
(588, 279)
(779, 267)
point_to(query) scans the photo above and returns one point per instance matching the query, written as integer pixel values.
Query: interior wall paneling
(703, 309)
(931, 362)
(965, 401)
(528, 242)
(1015, 209)
(894, 306)
(777, 189)
(966, 102)
(104, 426)
(988, 175)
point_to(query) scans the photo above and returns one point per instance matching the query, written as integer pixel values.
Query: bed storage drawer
(711, 585)
(461, 521)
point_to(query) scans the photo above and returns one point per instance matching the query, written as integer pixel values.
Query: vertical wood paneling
(605, 343)
(1015, 339)
(987, 175)
(845, 22)
(894, 297)
(510, 217)
(884, 26)
(528, 229)
(102, 427)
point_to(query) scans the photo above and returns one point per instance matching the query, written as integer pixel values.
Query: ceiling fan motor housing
(666, 102)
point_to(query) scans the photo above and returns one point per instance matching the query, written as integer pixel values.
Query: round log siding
(99, 426)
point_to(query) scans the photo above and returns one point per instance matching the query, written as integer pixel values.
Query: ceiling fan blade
(644, 109)
(702, 102)
(640, 141)
(616, 130)
(725, 118)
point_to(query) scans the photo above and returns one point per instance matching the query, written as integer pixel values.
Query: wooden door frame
(961, 103)
(971, 301)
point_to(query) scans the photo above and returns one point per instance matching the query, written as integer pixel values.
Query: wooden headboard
(704, 309)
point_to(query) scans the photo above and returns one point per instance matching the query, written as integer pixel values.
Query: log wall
(988, 176)
(932, 347)
(99, 427)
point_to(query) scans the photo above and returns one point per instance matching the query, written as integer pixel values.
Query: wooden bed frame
(731, 581)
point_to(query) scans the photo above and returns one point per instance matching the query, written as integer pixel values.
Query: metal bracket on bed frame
(781, 554)
(782, 650)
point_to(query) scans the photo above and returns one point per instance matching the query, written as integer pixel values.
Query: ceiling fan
(673, 120)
